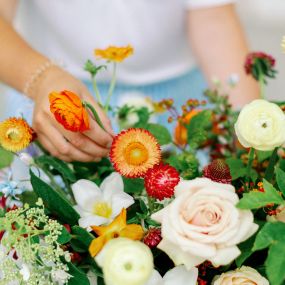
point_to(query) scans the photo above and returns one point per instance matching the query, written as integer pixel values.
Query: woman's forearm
(220, 46)
(18, 61)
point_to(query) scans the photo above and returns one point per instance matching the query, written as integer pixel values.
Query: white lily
(178, 275)
(100, 205)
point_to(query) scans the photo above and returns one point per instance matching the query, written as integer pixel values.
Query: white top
(69, 30)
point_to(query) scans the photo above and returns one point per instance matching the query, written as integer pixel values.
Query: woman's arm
(219, 44)
(18, 63)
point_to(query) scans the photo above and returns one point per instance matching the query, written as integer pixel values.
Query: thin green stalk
(249, 164)
(261, 81)
(270, 169)
(96, 90)
(111, 88)
(95, 114)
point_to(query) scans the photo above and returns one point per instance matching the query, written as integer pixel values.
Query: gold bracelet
(36, 75)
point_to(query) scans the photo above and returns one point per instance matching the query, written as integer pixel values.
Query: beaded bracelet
(36, 75)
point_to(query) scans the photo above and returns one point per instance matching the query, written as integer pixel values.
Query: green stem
(95, 114)
(111, 88)
(249, 164)
(270, 169)
(96, 90)
(150, 204)
(261, 81)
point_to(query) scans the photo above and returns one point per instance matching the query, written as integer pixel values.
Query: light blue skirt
(188, 86)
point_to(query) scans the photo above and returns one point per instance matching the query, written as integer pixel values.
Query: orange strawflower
(113, 53)
(180, 132)
(134, 152)
(118, 228)
(15, 134)
(69, 111)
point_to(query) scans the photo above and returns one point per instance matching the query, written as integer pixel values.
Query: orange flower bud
(69, 111)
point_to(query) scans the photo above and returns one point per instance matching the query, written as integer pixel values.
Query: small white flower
(26, 158)
(25, 272)
(261, 125)
(125, 262)
(98, 206)
(60, 276)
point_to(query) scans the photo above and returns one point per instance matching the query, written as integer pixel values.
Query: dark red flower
(161, 180)
(218, 171)
(152, 238)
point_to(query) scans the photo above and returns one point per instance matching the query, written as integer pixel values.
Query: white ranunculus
(203, 223)
(279, 217)
(125, 262)
(261, 125)
(176, 276)
(98, 206)
(240, 276)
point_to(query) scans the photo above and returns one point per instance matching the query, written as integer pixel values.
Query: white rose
(125, 262)
(240, 276)
(261, 125)
(202, 223)
(279, 217)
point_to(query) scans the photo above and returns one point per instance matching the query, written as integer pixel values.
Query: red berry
(152, 238)
(218, 171)
(161, 180)
(67, 227)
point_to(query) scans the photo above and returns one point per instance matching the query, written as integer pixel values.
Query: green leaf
(237, 168)
(197, 129)
(6, 158)
(132, 186)
(275, 263)
(78, 276)
(81, 239)
(255, 200)
(280, 177)
(160, 132)
(143, 206)
(55, 202)
(246, 251)
(64, 237)
(269, 234)
(58, 165)
(263, 155)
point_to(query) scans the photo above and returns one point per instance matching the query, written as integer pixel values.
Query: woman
(163, 64)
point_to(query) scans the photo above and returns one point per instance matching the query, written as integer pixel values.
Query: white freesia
(176, 276)
(203, 223)
(125, 262)
(240, 276)
(261, 125)
(98, 206)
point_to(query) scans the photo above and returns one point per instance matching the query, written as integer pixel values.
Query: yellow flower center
(102, 209)
(13, 134)
(136, 153)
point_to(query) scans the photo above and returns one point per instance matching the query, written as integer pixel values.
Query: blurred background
(264, 23)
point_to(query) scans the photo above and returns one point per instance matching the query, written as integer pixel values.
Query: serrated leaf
(55, 202)
(6, 158)
(58, 165)
(280, 177)
(255, 199)
(160, 132)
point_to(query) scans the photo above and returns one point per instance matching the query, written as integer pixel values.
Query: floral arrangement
(151, 213)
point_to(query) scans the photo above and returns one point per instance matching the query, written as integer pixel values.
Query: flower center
(136, 153)
(13, 134)
(102, 209)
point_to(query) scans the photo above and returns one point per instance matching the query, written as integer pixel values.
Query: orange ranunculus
(118, 228)
(69, 111)
(113, 53)
(180, 132)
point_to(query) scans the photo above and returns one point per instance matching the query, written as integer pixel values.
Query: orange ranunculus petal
(69, 111)
(114, 53)
(134, 152)
(15, 134)
(96, 245)
(134, 232)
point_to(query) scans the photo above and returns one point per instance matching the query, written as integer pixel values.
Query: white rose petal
(261, 125)
(203, 223)
(243, 275)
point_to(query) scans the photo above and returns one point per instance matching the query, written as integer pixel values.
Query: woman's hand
(90, 145)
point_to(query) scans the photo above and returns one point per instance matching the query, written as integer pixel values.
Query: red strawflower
(160, 181)
(218, 171)
(152, 238)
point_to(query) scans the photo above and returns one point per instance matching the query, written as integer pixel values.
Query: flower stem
(270, 169)
(261, 81)
(95, 114)
(96, 90)
(249, 164)
(111, 88)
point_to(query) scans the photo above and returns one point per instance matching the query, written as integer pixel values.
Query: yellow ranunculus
(113, 53)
